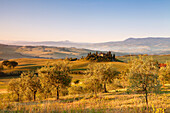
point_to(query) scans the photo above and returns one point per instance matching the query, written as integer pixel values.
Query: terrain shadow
(26, 64)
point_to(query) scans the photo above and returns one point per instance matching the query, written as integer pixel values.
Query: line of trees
(47, 79)
(142, 74)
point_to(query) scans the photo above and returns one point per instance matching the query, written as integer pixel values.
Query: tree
(164, 73)
(105, 73)
(45, 83)
(12, 64)
(92, 84)
(31, 83)
(5, 62)
(143, 75)
(56, 76)
(14, 87)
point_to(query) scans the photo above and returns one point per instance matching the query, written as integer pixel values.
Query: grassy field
(26, 64)
(29, 64)
(159, 58)
(115, 101)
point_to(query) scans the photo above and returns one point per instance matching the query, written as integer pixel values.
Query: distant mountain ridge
(150, 45)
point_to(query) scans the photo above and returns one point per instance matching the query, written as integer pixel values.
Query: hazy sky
(83, 20)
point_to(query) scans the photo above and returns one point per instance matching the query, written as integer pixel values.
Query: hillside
(9, 51)
(48, 52)
(150, 45)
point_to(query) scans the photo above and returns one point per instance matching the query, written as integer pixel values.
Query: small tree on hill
(143, 75)
(5, 62)
(12, 64)
(56, 76)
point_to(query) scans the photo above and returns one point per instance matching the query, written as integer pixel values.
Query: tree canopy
(103, 73)
(143, 75)
(10, 64)
(55, 76)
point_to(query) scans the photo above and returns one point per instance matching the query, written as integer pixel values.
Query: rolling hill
(48, 52)
(150, 45)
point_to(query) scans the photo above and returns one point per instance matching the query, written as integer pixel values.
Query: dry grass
(159, 58)
(114, 102)
(34, 63)
(107, 103)
(30, 63)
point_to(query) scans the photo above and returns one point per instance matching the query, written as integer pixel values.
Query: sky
(83, 20)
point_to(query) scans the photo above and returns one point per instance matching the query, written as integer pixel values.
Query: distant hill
(150, 45)
(48, 52)
(9, 51)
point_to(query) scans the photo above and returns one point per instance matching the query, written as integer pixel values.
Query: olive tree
(55, 76)
(143, 75)
(14, 87)
(31, 83)
(92, 84)
(105, 73)
(12, 64)
(46, 87)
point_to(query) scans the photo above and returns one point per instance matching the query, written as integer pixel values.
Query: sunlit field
(160, 58)
(116, 100)
(26, 64)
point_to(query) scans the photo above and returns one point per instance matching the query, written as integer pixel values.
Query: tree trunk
(45, 96)
(105, 91)
(18, 98)
(95, 93)
(146, 97)
(57, 93)
(34, 95)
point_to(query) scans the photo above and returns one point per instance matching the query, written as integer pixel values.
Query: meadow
(116, 100)
(159, 58)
